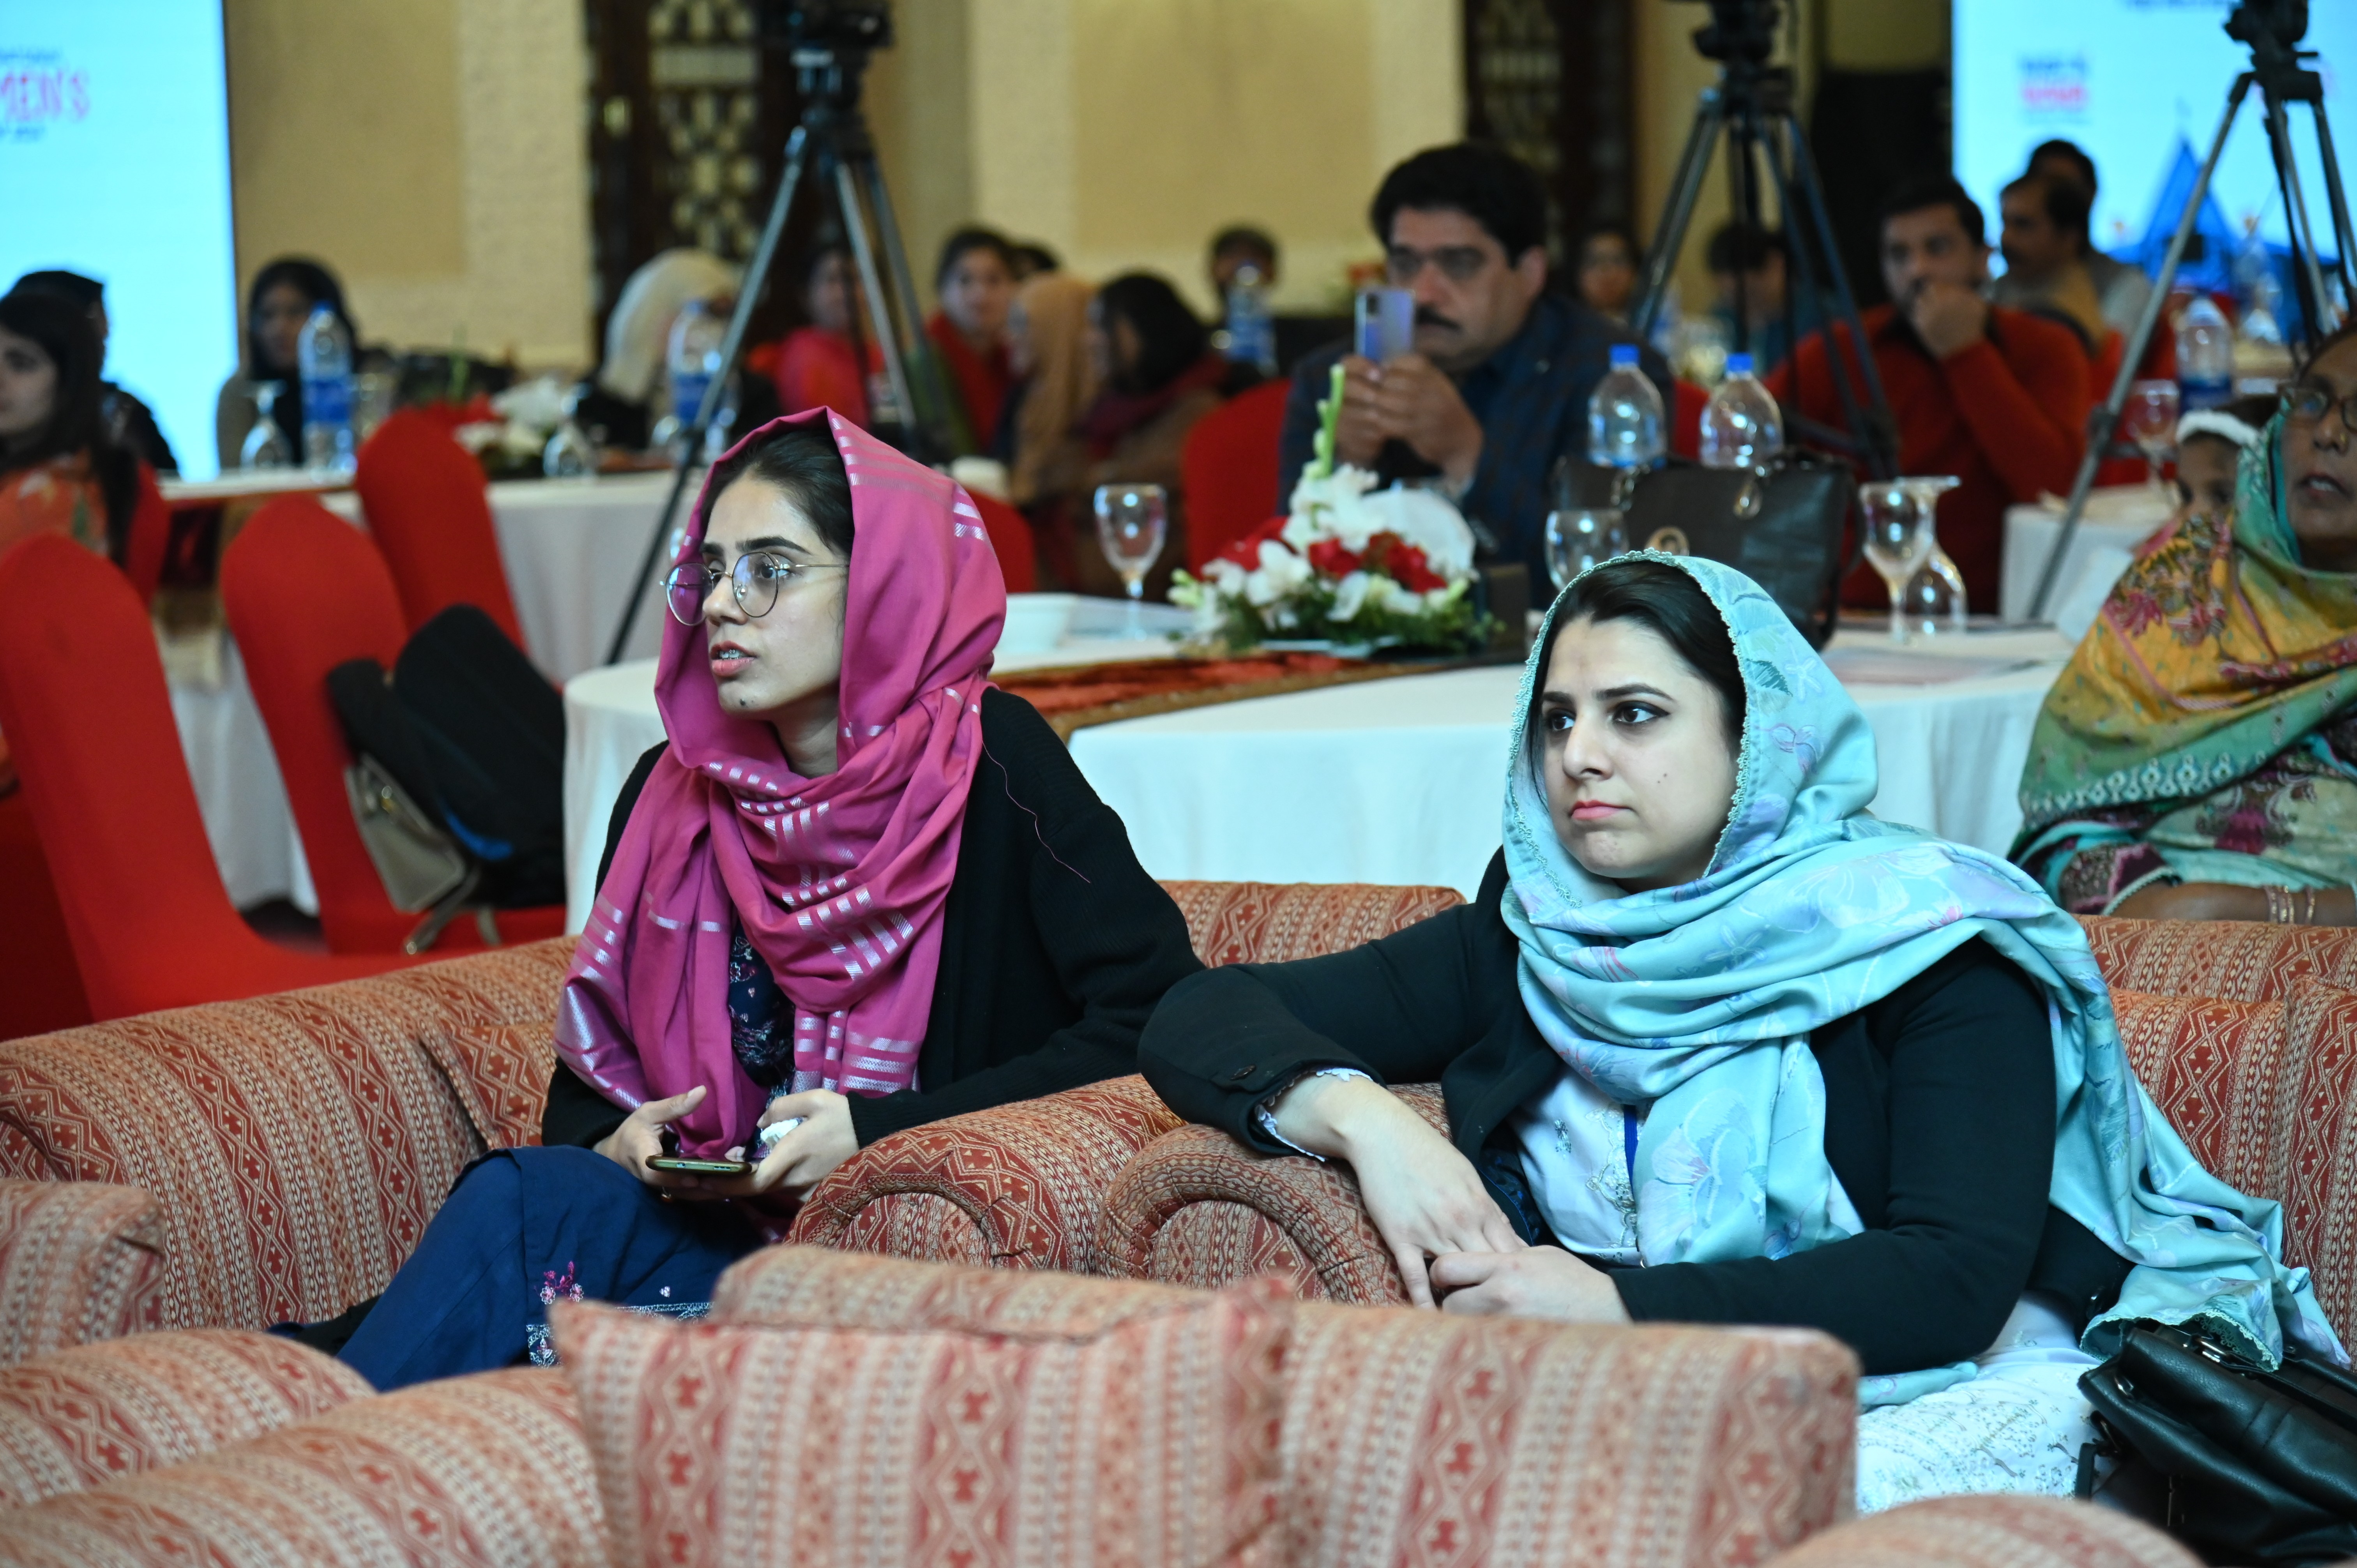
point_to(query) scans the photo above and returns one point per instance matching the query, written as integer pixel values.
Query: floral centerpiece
(1348, 564)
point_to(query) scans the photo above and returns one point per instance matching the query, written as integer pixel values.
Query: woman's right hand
(1424, 1198)
(640, 1139)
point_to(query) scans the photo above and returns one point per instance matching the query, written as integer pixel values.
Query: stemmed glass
(1131, 521)
(1580, 537)
(266, 446)
(1899, 538)
(2151, 421)
(1935, 592)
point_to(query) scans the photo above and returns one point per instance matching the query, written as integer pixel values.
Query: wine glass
(2151, 421)
(1130, 520)
(266, 446)
(1580, 537)
(1936, 593)
(1899, 538)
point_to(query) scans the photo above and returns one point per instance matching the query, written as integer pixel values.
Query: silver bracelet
(1265, 1114)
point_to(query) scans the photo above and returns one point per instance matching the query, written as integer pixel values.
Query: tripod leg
(931, 379)
(2107, 418)
(1743, 198)
(863, 249)
(1869, 415)
(2315, 304)
(1710, 115)
(2344, 241)
(749, 296)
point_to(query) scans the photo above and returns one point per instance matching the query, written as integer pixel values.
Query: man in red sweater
(1997, 398)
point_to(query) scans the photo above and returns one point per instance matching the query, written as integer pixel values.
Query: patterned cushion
(1276, 922)
(1415, 1438)
(2311, 1145)
(1152, 1441)
(298, 1143)
(789, 1287)
(1198, 1208)
(471, 1473)
(79, 1261)
(84, 1417)
(2213, 1069)
(1018, 1185)
(1995, 1531)
(500, 1073)
(2238, 960)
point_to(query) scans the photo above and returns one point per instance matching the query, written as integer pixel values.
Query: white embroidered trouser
(2016, 1427)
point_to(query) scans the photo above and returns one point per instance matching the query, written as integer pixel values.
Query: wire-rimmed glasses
(755, 580)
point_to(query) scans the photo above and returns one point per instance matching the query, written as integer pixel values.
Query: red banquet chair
(41, 986)
(1010, 541)
(90, 725)
(1229, 470)
(426, 505)
(305, 590)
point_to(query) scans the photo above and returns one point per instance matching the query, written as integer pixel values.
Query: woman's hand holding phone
(640, 1138)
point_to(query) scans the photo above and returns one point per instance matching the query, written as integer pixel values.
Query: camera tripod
(1751, 107)
(832, 141)
(2271, 28)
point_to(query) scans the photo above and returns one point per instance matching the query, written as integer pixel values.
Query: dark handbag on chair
(2259, 1466)
(1786, 531)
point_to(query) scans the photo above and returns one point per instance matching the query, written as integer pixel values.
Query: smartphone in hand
(1386, 323)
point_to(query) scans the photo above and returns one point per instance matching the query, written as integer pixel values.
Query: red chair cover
(1010, 541)
(1686, 404)
(40, 986)
(1229, 470)
(151, 537)
(427, 507)
(305, 590)
(90, 725)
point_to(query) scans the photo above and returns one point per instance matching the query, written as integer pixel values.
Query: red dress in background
(817, 368)
(981, 380)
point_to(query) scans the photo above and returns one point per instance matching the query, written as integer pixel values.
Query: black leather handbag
(1786, 531)
(2258, 1466)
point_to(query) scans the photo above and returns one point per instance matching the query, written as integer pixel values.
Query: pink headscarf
(839, 883)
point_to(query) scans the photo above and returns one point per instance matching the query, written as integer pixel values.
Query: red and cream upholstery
(2237, 961)
(84, 1417)
(79, 1261)
(1992, 1533)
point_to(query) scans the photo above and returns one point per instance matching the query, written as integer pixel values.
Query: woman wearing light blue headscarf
(1718, 1045)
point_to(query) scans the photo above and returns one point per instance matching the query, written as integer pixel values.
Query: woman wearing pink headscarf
(859, 889)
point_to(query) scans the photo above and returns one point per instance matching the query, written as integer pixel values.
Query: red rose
(1330, 557)
(1412, 570)
(1245, 552)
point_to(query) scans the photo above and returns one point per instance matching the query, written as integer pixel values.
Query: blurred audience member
(282, 296)
(1496, 387)
(60, 472)
(817, 365)
(1997, 398)
(1754, 264)
(129, 422)
(2120, 286)
(1031, 259)
(1604, 277)
(1239, 246)
(1049, 352)
(2210, 446)
(976, 281)
(632, 392)
(2043, 236)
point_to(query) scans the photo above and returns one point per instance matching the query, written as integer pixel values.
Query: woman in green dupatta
(2198, 759)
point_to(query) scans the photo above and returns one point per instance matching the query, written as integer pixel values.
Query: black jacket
(1940, 1122)
(1055, 945)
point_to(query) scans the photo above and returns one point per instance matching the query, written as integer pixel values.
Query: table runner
(1075, 697)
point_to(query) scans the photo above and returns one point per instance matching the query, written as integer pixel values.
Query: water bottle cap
(1624, 354)
(1739, 364)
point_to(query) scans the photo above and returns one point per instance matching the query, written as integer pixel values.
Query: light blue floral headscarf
(1698, 1001)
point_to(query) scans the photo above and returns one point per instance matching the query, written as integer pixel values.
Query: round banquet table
(1400, 780)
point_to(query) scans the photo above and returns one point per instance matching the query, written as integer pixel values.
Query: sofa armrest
(1992, 1532)
(1198, 1208)
(1015, 1187)
(97, 1413)
(79, 1262)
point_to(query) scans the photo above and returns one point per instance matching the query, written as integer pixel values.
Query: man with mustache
(1992, 395)
(1496, 387)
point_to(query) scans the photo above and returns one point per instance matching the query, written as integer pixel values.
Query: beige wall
(431, 153)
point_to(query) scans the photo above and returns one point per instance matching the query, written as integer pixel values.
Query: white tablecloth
(2117, 520)
(1399, 781)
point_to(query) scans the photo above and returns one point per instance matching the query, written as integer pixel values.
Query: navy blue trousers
(527, 1227)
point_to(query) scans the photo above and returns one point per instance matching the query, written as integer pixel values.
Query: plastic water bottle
(694, 360)
(1742, 425)
(323, 354)
(1624, 415)
(2205, 356)
(1252, 333)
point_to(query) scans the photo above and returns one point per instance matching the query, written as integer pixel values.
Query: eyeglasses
(1458, 264)
(755, 580)
(2309, 400)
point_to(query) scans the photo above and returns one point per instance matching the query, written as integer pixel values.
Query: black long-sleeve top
(1056, 945)
(1940, 1115)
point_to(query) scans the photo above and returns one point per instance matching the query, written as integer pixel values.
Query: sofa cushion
(1993, 1531)
(2215, 1069)
(1151, 1441)
(79, 1261)
(471, 1471)
(84, 1417)
(298, 1143)
(802, 1287)
(1277, 922)
(2312, 1144)
(500, 1073)
(2239, 960)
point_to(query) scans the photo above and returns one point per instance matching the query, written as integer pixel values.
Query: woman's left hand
(1537, 1282)
(804, 1156)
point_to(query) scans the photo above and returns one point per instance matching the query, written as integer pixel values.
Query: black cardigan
(1055, 945)
(1939, 1120)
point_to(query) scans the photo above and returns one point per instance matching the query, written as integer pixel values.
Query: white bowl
(1036, 623)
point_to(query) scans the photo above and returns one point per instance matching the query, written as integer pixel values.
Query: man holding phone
(1494, 384)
